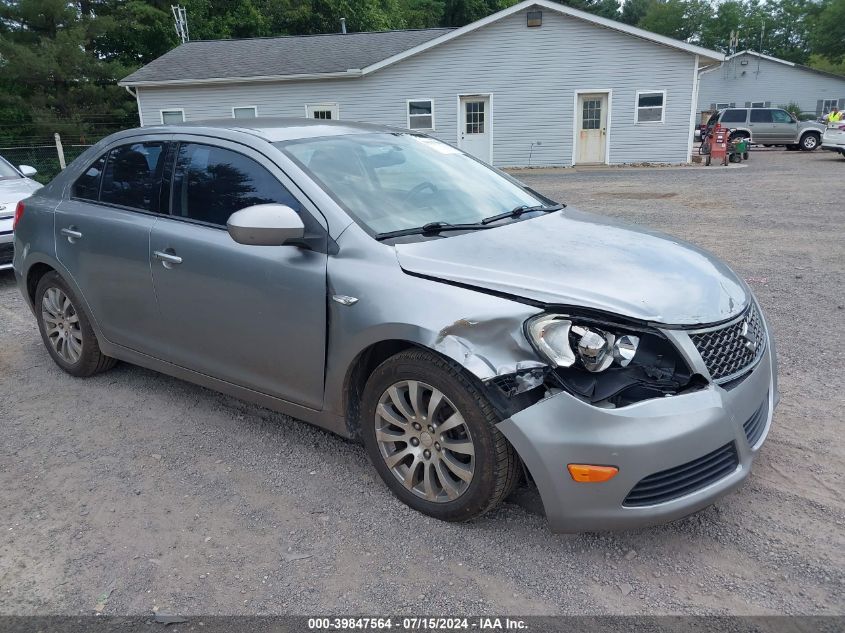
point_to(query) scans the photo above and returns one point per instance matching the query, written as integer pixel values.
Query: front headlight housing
(565, 341)
(607, 363)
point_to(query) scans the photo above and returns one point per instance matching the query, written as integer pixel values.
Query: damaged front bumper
(675, 455)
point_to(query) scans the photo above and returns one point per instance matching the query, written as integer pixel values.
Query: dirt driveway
(133, 491)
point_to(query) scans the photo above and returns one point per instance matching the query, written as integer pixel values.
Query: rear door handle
(167, 259)
(71, 234)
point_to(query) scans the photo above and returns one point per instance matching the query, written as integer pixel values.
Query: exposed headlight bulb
(595, 348)
(625, 348)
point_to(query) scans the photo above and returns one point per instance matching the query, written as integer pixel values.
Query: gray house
(536, 84)
(748, 79)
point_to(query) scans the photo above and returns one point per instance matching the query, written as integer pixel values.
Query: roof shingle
(279, 56)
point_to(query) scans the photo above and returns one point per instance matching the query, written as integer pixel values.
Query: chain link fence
(49, 158)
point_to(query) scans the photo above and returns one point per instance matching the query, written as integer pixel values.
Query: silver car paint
(480, 329)
(579, 259)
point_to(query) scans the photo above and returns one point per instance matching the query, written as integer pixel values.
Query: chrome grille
(729, 350)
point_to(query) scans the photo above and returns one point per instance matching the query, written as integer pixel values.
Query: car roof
(269, 128)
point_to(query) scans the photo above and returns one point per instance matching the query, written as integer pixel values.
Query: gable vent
(535, 18)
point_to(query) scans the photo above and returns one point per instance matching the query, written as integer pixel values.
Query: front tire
(810, 142)
(430, 432)
(66, 329)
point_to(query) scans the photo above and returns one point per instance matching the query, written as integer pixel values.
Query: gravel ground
(133, 491)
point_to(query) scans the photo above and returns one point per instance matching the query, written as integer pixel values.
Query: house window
(421, 114)
(650, 106)
(829, 104)
(168, 117)
(722, 106)
(758, 104)
(323, 111)
(245, 112)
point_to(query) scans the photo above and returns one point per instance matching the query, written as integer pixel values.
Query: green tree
(681, 19)
(52, 77)
(634, 10)
(827, 34)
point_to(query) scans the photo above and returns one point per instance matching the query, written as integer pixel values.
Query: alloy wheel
(61, 325)
(425, 441)
(810, 141)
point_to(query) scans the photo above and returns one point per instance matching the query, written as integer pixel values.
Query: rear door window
(133, 176)
(734, 116)
(761, 116)
(211, 183)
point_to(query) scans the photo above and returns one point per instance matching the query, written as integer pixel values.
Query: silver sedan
(388, 287)
(15, 185)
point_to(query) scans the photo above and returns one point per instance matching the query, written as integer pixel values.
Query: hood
(578, 259)
(14, 190)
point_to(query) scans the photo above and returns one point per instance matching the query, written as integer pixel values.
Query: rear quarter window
(87, 186)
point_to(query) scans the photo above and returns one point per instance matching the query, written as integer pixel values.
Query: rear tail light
(841, 127)
(18, 215)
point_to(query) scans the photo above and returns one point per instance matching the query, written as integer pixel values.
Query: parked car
(834, 138)
(15, 185)
(768, 126)
(386, 286)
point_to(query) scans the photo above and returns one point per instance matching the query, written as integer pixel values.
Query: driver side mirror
(266, 225)
(27, 171)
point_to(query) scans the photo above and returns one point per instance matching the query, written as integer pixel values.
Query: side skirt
(323, 419)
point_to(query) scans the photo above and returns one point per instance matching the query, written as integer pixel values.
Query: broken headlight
(607, 363)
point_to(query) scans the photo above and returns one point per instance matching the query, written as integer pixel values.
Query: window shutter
(712, 106)
(842, 104)
(819, 107)
(747, 104)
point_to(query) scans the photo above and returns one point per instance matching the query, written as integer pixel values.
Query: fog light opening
(589, 473)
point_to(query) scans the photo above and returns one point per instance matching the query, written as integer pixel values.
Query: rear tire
(66, 329)
(429, 431)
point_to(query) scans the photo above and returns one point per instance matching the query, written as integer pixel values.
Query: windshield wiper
(432, 228)
(518, 211)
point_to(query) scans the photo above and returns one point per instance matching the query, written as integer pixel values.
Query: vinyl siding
(532, 74)
(765, 80)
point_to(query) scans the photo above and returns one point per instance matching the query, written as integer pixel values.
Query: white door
(474, 137)
(591, 129)
(328, 111)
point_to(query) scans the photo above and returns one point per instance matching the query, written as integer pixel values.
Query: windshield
(393, 181)
(7, 171)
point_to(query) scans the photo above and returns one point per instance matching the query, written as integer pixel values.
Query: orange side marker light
(588, 473)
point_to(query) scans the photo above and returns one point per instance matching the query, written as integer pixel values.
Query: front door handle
(168, 260)
(71, 234)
